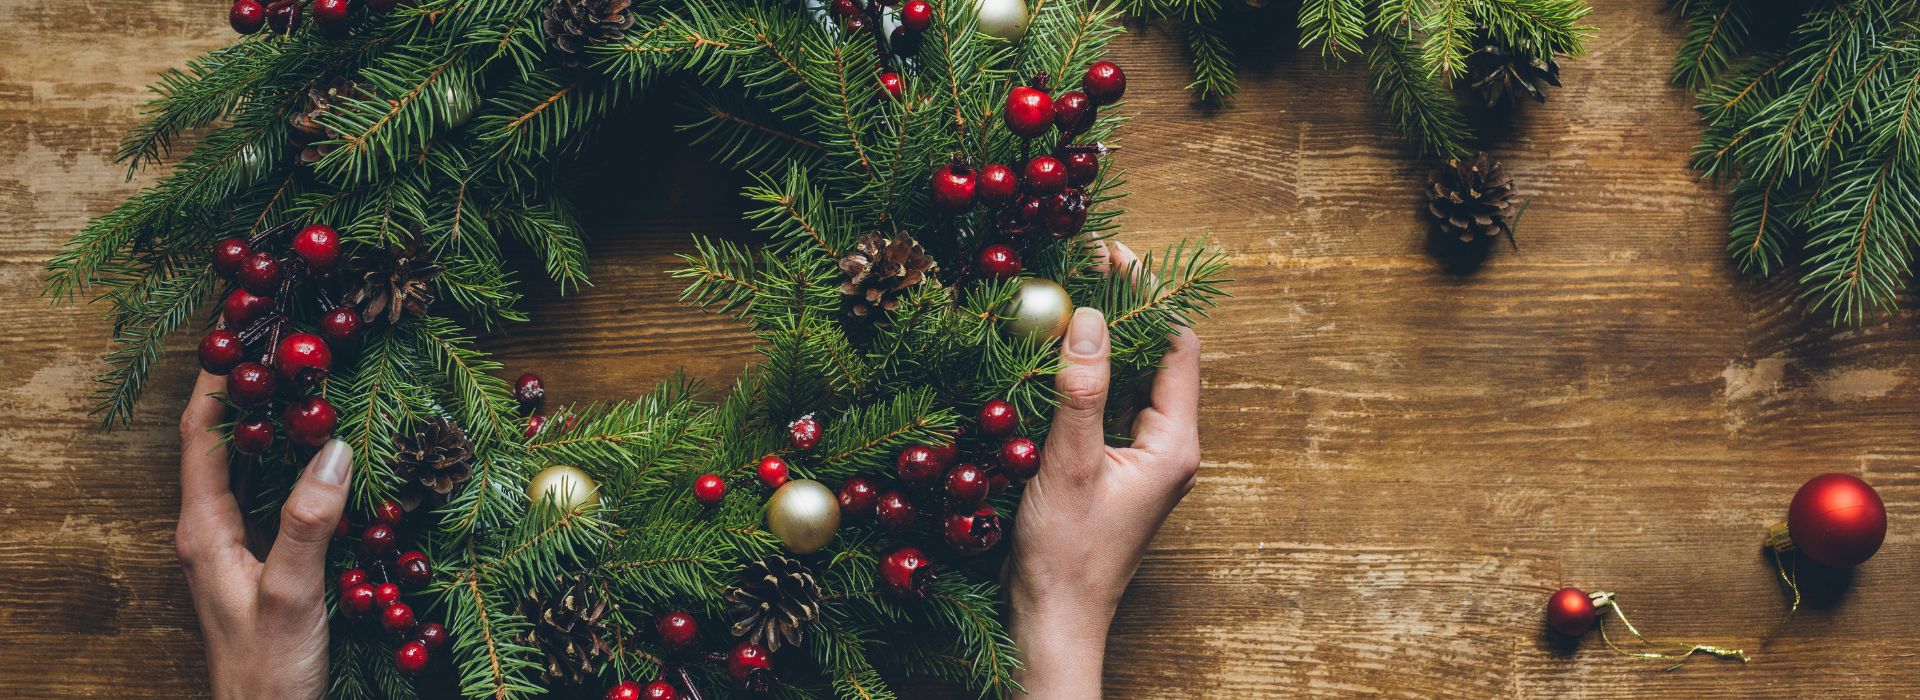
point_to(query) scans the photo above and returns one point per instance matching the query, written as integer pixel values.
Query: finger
(1075, 443)
(210, 521)
(296, 567)
(1123, 259)
(1174, 413)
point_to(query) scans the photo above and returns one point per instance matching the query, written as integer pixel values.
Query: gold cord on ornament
(1677, 652)
(1789, 577)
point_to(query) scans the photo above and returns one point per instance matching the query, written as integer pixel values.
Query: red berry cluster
(283, 362)
(332, 17)
(858, 16)
(803, 434)
(361, 596)
(680, 636)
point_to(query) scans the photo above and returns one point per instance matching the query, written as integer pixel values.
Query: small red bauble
(340, 326)
(856, 24)
(1020, 458)
(804, 434)
(397, 619)
(1082, 168)
(857, 497)
(624, 690)
(411, 658)
(1837, 520)
(533, 425)
(1073, 113)
(999, 261)
(260, 273)
(415, 569)
(252, 436)
(967, 484)
(242, 308)
(906, 572)
(1033, 210)
(331, 16)
(302, 353)
(972, 532)
(229, 253)
(357, 601)
(283, 16)
(386, 594)
(246, 16)
(749, 665)
(1570, 612)
(350, 578)
(660, 690)
(916, 15)
(310, 421)
(432, 634)
(918, 465)
(530, 391)
(1029, 112)
(998, 418)
(377, 540)
(220, 350)
(952, 188)
(1065, 214)
(678, 630)
(250, 384)
(846, 8)
(1105, 83)
(389, 513)
(708, 489)
(892, 85)
(998, 185)
(772, 471)
(1045, 175)
(318, 244)
(894, 511)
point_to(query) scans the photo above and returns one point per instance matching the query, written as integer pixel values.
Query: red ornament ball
(749, 664)
(1570, 612)
(624, 690)
(260, 273)
(1029, 111)
(1045, 175)
(530, 391)
(432, 634)
(1082, 168)
(357, 601)
(411, 658)
(1020, 458)
(918, 465)
(1073, 113)
(1105, 83)
(858, 497)
(894, 511)
(246, 16)
(772, 471)
(998, 185)
(389, 513)
(708, 489)
(952, 188)
(229, 253)
(386, 594)
(660, 690)
(415, 569)
(331, 16)
(998, 418)
(1837, 520)
(242, 308)
(252, 436)
(967, 484)
(678, 630)
(1065, 214)
(302, 354)
(804, 434)
(341, 326)
(250, 384)
(220, 350)
(397, 619)
(916, 15)
(310, 421)
(350, 578)
(283, 16)
(533, 425)
(318, 244)
(906, 572)
(378, 541)
(999, 261)
(892, 84)
(972, 532)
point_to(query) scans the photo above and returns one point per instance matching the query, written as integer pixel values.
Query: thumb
(1074, 444)
(295, 573)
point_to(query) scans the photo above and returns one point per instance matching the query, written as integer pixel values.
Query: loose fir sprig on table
(365, 171)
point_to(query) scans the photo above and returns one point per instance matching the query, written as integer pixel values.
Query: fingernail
(1087, 335)
(330, 466)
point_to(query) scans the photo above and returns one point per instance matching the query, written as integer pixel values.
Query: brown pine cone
(572, 25)
(879, 270)
(572, 629)
(307, 128)
(774, 599)
(437, 457)
(399, 284)
(1471, 200)
(1500, 74)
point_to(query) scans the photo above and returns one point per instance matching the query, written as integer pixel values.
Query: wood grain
(1400, 462)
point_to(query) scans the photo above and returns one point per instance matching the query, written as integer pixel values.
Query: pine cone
(573, 24)
(1471, 200)
(1499, 74)
(438, 457)
(573, 630)
(879, 270)
(776, 596)
(307, 128)
(401, 284)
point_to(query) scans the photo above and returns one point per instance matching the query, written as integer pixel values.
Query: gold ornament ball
(570, 487)
(457, 103)
(1006, 19)
(1040, 310)
(804, 514)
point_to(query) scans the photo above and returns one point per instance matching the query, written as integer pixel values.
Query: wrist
(1062, 645)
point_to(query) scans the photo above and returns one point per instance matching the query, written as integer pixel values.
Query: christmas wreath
(364, 172)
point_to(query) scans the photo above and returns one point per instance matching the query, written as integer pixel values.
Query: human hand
(265, 624)
(1087, 517)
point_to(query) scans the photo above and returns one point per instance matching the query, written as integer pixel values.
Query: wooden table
(1400, 463)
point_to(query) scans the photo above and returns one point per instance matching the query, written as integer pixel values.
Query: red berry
(397, 619)
(972, 532)
(220, 351)
(389, 513)
(530, 391)
(283, 16)
(894, 511)
(906, 572)
(250, 384)
(998, 185)
(411, 658)
(856, 24)
(1073, 113)
(350, 578)
(1020, 458)
(260, 273)
(846, 8)
(904, 41)
(341, 326)
(1105, 83)
(998, 418)
(340, 529)
(1064, 213)
(378, 541)
(804, 433)
(229, 253)
(999, 261)
(533, 425)
(918, 465)
(709, 490)
(967, 484)
(242, 308)
(916, 15)
(893, 85)
(386, 594)
(1045, 175)
(331, 16)
(624, 690)
(678, 631)
(1082, 168)
(772, 471)
(246, 16)
(357, 601)
(749, 666)
(310, 421)
(318, 244)
(953, 188)
(415, 569)
(948, 454)
(857, 498)
(1033, 210)
(1029, 112)
(302, 354)
(660, 690)
(252, 436)
(432, 634)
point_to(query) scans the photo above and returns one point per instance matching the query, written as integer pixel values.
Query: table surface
(1400, 462)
